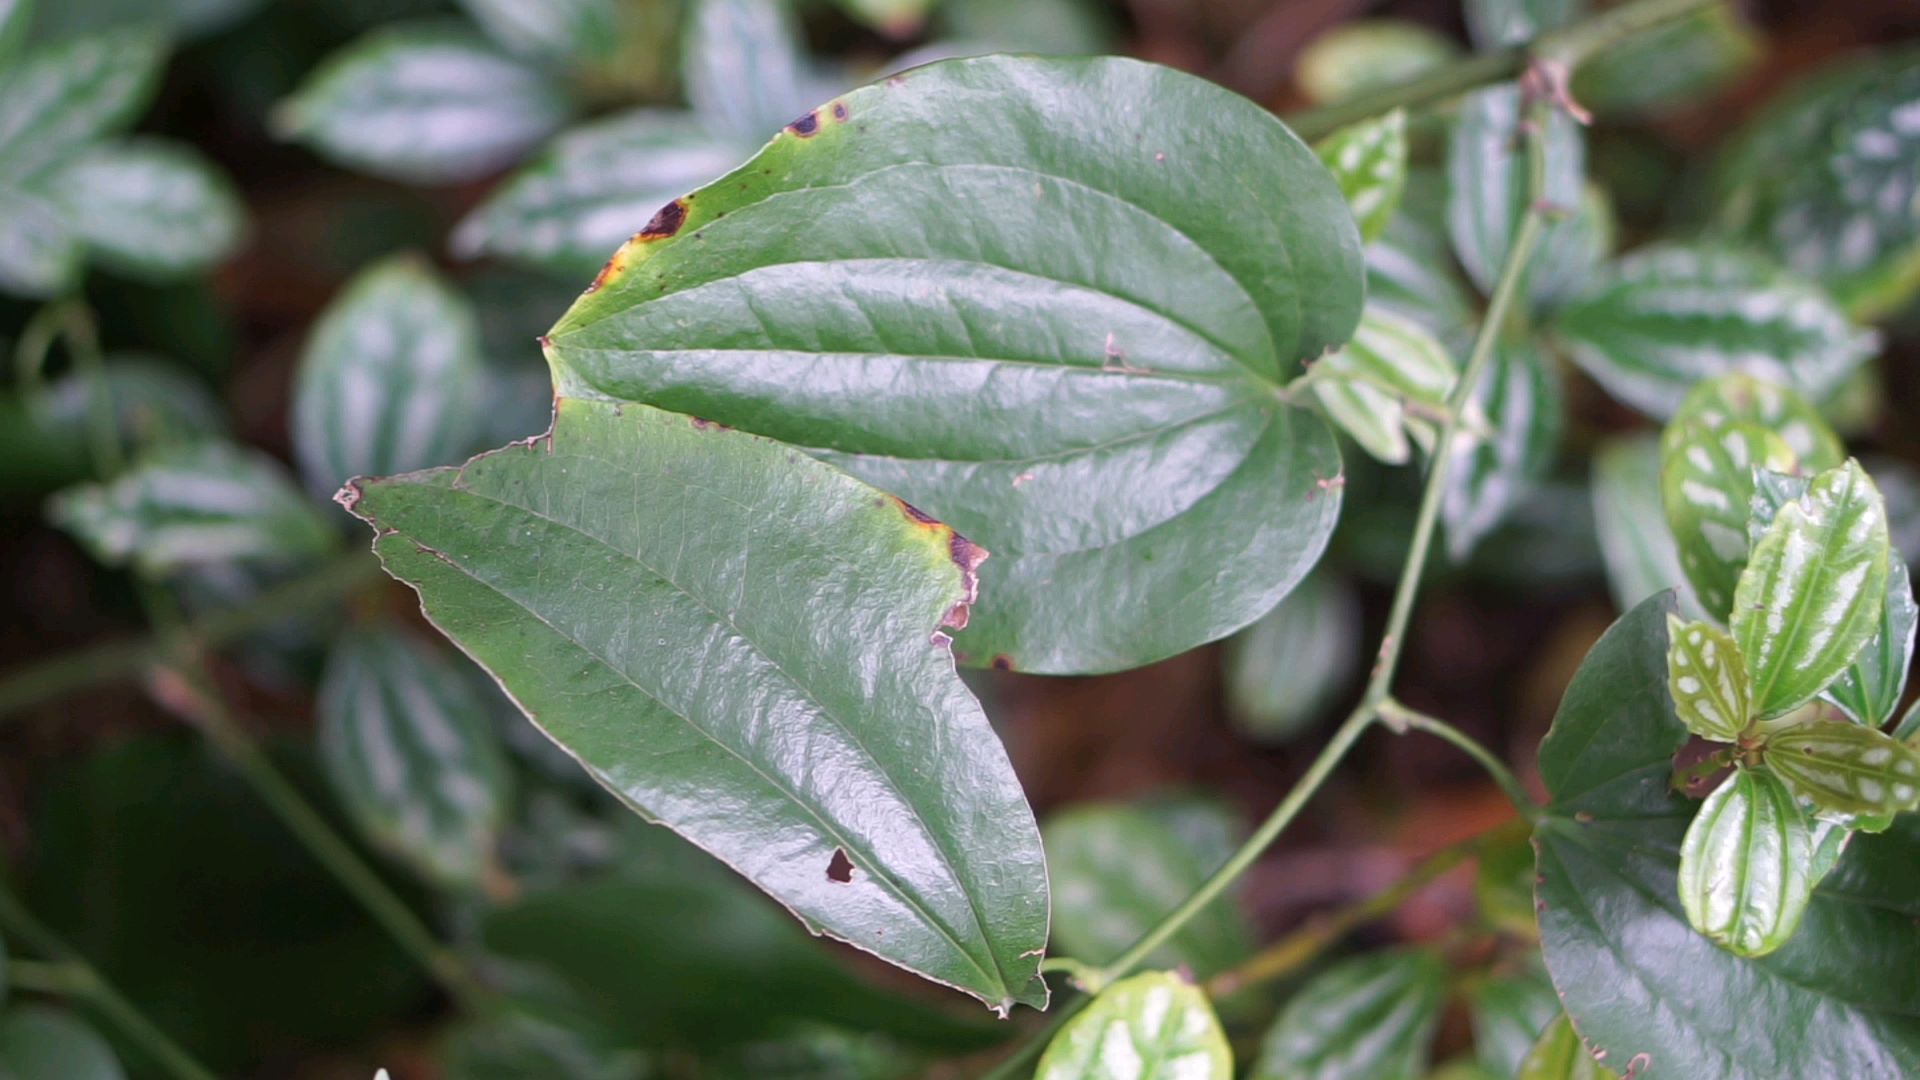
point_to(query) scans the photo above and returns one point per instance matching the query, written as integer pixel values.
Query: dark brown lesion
(840, 868)
(1002, 662)
(666, 221)
(839, 110)
(806, 125)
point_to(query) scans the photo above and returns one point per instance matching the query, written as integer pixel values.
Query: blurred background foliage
(431, 178)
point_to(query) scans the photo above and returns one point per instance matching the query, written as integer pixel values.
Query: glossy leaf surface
(1559, 1055)
(1665, 318)
(1509, 1013)
(1368, 1018)
(581, 198)
(905, 286)
(1487, 177)
(744, 644)
(1645, 988)
(1520, 400)
(410, 750)
(1707, 679)
(150, 208)
(1369, 159)
(1813, 590)
(1847, 768)
(1284, 671)
(1869, 690)
(391, 379)
(1115, 871)
(426, 103)
(1746, 864)
(194, 503)
(1154, 1026)
(1632, 524)
(38, 1042)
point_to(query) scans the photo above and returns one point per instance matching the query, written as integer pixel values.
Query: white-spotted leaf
(1154, 1026)
(1847, 768)
(1369, 159)
(1708, 680)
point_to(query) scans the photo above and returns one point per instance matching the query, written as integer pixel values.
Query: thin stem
(190, 694)
(114, 661)
(72, 975)
(1568, 46)
(1402, 718)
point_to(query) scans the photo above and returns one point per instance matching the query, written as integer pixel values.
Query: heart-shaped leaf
(1708, 680)
(1813, 590)
(1746, 863)
(392, 378)
(410, 750)
(422, 103)
(1869, 689)
(1369, 159)
(1285, 670)
(1847, 768)
(1560, 1055)
(900, 281)
(1369, 1018)
(744, 644)
(1632, 524)
(1154, 1026)
(1667, 317)
(1115, 871)
(1641, 986)
(1520, 400)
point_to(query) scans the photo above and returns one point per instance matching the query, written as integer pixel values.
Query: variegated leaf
(1154, 1026)
(1370, 161)
(1869, 690)
(1366, 385)
(1745, 864)
(1813, 590)
(1707, 678)
(1706, 484)
(1373, 417)
(1519, 398)
(1632, 525)
(1738, 396)
(1847, 768)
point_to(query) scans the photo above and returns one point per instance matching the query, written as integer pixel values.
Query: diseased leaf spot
(840, 868)
(839, 110)
(806, 125)
(666, 221)
(1002, 662)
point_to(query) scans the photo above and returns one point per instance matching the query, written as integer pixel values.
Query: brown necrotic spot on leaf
(968, 556)
(666, 221)
(806, 125)
(1002, 662)
(839, 110)
(840, 868)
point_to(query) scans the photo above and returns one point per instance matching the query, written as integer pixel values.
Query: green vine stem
(72, 976)
(1402, 719)
(1565, 47)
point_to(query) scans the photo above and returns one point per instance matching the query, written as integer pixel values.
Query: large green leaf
(744, 69)
(1869, 689)
(571, 206)
(1284, 671)
(151, 208)
(194, 503)
(1519, 399)
(38, 1042)
(1632, 525)
(391, 380)
(745, 645)
(1494, 23)
(422, 103)
(60, 97)
(1115, 871)
(1370, 161)
(1368, 1018)
(1666, 317)
(1824, 180)
(1154, 1026)
(1488, 177)
(1746, 865)
(410, 750)
(1029, 297)
(1510, 1011)
(1840, 999)
(1559, 1055)
(1813, 590)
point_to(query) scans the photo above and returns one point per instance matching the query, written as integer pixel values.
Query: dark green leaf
(1707, 679)
(1369, 1018)
(1114, 872)
(1559, 1054)
(60, 97)
(1746, 863)
(1369, 159)
(1509, 1013)
(1487, 177)
(1667, 317)
(904, 290)
(1847, 768)
(150, 208)
(194, 503)
(1285, 670)
(1632, 525)
(570, 207)
(744, 69)
(1369, 54)
(686, 558)
(410, 750)
(185, 20)
(426, 103)
(1683, 61)
(392, 378)
(1824, 180)
(1153, 1026)
(1813, 590)
(1494, 23)
(1519, 403)
(1909, 725)
(38, 1042)
(1652, 995)
(1869, 689)
(15, 17)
